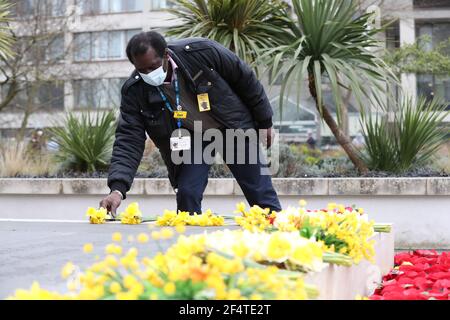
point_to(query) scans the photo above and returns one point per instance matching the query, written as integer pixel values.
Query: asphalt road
(36, 251)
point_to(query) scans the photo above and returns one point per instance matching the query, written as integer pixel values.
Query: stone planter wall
(419, 208)
(361, 279)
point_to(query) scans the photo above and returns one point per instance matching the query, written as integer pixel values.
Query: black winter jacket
(238, 101)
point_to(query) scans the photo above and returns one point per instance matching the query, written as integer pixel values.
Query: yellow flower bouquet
(187, 270)
(338, 228)
(182, 218)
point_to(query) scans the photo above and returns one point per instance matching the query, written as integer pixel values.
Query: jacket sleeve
(242, 79)
(128, 147)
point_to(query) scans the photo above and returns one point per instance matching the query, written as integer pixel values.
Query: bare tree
(39, 63)
(33, 79)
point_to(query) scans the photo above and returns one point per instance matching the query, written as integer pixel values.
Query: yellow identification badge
(203, 102)
(180, 114)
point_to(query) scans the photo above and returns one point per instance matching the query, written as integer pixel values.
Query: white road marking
(77, 221)
(43, 220)
(60, 221)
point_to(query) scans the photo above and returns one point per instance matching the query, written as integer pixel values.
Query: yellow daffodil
(97, 216)
(169, 288)
(67, 270)
(88, 248)
(115, 287)
(131, 215)
(117, 237)
(180, 229)
(156, 235)
(143, 238)
(166, 233)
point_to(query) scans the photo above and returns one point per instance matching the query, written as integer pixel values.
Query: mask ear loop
(165, 63)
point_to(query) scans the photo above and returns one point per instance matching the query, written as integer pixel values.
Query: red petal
(442, 284)
(405, 280)
(423, 283)
(439, 275)
(426, 253)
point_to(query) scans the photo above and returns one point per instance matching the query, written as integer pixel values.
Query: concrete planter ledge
(419, 208)
(361, 279)
(229, 187)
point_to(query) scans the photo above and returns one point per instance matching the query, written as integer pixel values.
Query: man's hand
(111, 203)
(268, 135)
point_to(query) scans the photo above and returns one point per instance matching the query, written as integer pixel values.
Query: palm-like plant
(410, 139)
(6, 39)
(246, 27)
(333, 41)
(85, 144)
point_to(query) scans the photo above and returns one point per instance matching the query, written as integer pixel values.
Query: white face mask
(155, 78)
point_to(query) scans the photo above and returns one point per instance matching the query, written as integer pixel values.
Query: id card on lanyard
(178, 143)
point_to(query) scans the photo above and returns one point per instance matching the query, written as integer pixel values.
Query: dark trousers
(257, 188)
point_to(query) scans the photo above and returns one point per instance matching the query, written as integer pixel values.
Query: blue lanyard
(177, 97)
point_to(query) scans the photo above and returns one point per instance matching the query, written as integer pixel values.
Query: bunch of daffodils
(187, 270)
(339, 229)
(131, 215)
(182, 218)
(286, 250)
(97, 216)
(346, 232)
(255, 219)
(36, 293)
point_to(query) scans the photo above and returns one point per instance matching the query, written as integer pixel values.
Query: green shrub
(85, 143)
(410, 140)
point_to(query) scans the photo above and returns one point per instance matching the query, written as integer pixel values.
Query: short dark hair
(141, 42)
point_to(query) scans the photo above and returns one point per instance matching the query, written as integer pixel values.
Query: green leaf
(247, 27)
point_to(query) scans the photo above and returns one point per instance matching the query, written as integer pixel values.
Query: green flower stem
(382, 227)
(337, 258)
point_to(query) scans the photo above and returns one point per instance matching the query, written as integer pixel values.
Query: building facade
(418, 19)
(92, 47)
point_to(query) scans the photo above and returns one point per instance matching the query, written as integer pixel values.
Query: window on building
(55, 48)
(296, 118)
(82, 47)
(24, 8)
(430, 4)
(437, 32)
(104, 45)
(48, 49)
(44, 96)
(97, 93)
(92, 7)
(51, 95)
(161, 4)
(434, 85)
(393, 36)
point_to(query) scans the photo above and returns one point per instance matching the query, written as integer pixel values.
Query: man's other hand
(268, 135)
(111, 203)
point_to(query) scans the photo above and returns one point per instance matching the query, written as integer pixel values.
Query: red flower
(421, 275)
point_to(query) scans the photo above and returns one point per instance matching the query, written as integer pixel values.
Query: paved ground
(36, 251)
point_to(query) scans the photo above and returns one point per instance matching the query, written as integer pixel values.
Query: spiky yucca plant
(6, 39)
(246, 27)
(85, 143)
(334, 42)
(409, 139)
